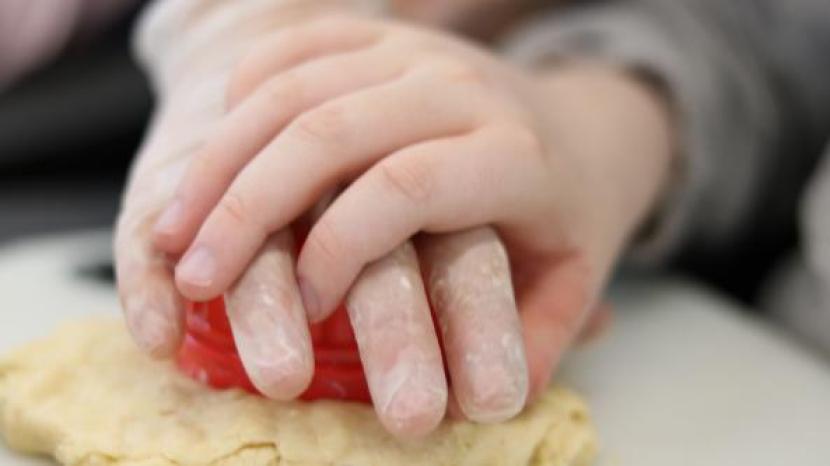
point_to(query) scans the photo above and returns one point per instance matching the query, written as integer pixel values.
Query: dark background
(67, 134)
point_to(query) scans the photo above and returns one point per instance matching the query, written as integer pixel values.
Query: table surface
(684, 378)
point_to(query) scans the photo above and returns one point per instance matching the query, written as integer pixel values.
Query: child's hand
(426, 134)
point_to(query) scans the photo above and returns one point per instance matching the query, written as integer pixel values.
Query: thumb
(599, 320)
(553, 310)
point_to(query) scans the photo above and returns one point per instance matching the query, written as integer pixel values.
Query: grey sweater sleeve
(749, 82)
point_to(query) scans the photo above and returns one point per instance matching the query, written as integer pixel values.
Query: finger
(437, 186)
(468, 276)
(454, 411)
(153, 308)
(398, 344)
(599, 320)
(295, 45)
(314, 153)
(260, 118)
(269, 325)
(553, 308)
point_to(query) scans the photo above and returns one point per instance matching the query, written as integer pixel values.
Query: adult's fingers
(553, 309)
(437, 186)
(468, 277)
(315, 152)
(599, 320)
(398, 344)
(249, 127)
(269, 324)
(152, 306)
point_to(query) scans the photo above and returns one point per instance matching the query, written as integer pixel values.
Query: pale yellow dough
(86, 396)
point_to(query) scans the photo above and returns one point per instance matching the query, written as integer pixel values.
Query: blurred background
(67, 134)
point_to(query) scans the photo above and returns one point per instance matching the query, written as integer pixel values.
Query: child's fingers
(269, 324)
(314, 153)
(553, 309)
(468, 277)
(398, 344)
(437, 186)
(257, 121)
(295, 45)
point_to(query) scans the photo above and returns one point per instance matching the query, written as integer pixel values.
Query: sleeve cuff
(708, 119)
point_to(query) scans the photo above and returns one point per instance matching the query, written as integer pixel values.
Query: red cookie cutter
(209, 355)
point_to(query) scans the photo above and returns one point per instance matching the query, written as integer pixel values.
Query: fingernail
(198, 267)
(496, 383)
(311, 301)
(411, 408)
(169, 220)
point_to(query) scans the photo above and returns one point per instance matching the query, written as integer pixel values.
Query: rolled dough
(87, 397)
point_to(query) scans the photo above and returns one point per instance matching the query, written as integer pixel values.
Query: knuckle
(408, 46)
(238, 86)
(281, 44)
(201, 166)
(285, 90)
(326, 126)
(453, 70)
(521, 139)
(336, 22)
(233, 206)
(247, 71)
(526, 140)
(326, 240)
(273, 52)
(412, 179)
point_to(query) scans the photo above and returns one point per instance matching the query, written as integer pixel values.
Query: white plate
(684, 379)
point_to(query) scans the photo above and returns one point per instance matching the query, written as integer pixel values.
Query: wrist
(626, 138)
(644, 111)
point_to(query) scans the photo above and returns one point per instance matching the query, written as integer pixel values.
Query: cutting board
(684, 378)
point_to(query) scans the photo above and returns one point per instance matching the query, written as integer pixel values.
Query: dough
(86, 396)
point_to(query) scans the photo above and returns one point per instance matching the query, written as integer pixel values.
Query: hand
(264, 304)
(428, 134)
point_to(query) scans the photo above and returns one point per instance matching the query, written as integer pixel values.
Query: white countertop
(684, 378)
